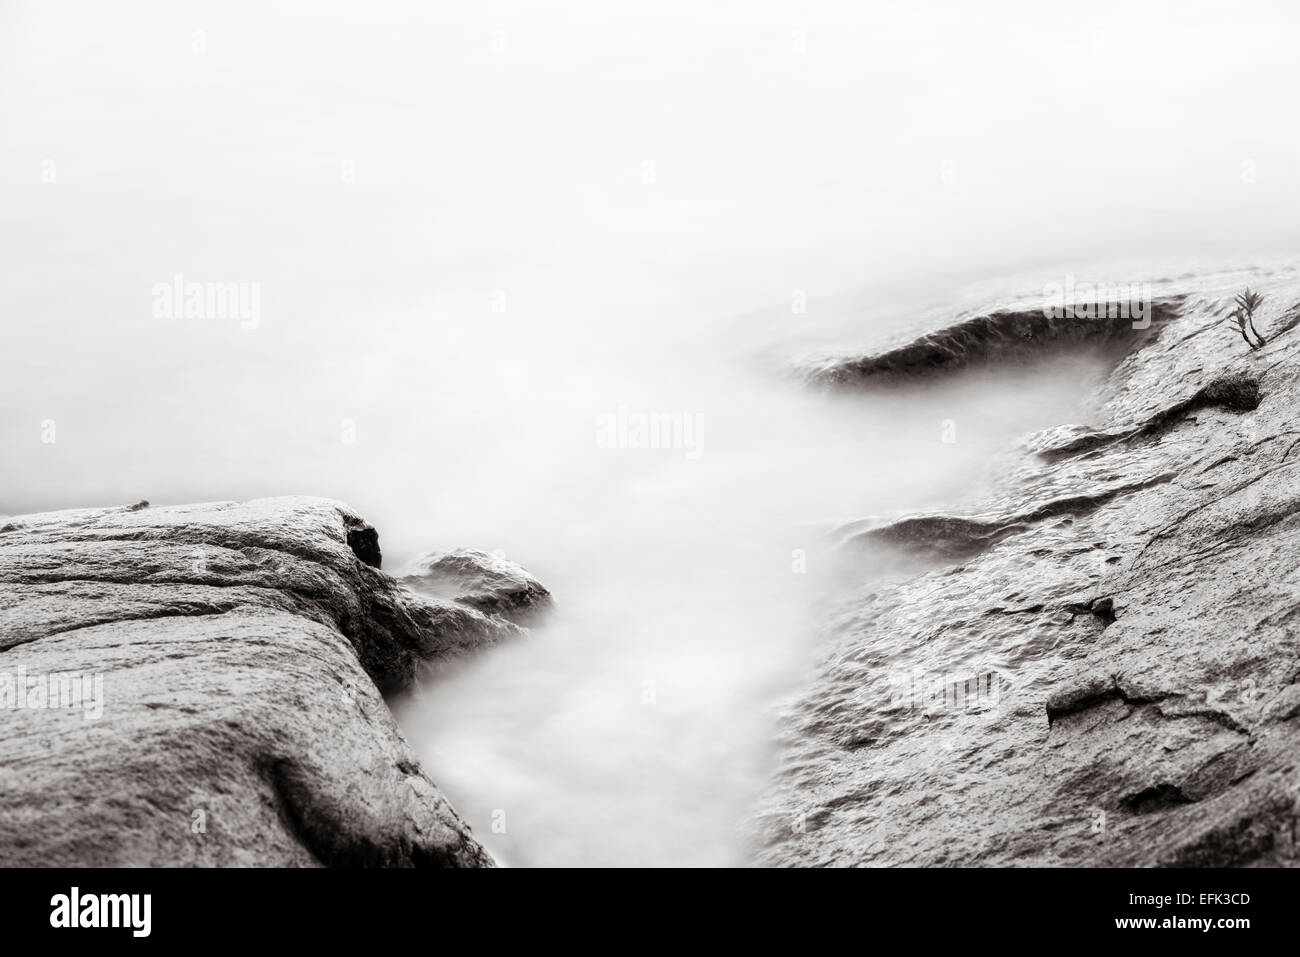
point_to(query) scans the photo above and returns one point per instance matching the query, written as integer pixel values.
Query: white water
(475, 229)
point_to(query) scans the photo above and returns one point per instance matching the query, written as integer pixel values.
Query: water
(477, 230)
(634, 728)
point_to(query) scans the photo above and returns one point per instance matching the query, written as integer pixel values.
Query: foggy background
(476, 228)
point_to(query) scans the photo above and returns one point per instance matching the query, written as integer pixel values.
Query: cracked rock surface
(1101, 665)
(243, 650)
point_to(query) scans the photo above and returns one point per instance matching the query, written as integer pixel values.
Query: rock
(999, 337)
(480, 580)
(1237, 391)
(958, 537)
(1136, 580)
(240, 652)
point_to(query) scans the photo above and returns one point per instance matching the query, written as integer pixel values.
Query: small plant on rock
(1244, 314)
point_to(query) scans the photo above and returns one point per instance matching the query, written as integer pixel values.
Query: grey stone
(1137, 581)
(243, 651)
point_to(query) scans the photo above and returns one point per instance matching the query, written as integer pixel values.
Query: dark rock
(364, 541)
(1236, 392)
(956, 538)
(1239, 392)
(996, 338)
(1103, 608)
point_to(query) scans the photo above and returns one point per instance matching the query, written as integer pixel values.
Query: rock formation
(239, 653)
(1101, 666)
(481, 580)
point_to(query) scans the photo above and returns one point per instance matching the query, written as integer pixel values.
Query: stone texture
(1101, 666)
(998, 337)
(243, 651)
(481, 580)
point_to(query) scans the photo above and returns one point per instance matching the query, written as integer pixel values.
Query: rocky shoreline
(1101, 664)
(240, 653)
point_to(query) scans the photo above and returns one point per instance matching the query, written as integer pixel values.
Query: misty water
(478, 236)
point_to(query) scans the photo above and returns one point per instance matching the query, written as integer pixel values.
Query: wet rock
(1103, 608)
(956, 538)
(480, 580)
(236, 654)
(1237, 392)
(1135, 578)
